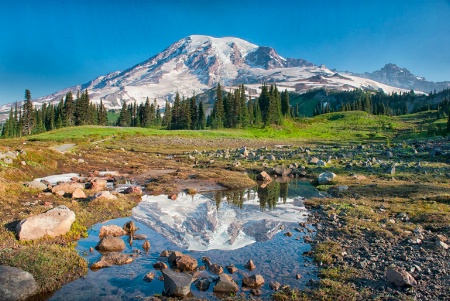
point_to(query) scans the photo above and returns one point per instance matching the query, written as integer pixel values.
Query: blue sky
(46, 46)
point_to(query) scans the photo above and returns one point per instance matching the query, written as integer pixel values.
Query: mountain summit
(396, 76)
(198, 63)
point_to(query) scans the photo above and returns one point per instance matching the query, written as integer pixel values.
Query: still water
(228, 227)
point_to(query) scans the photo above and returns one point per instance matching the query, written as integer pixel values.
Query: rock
(391, 170)
(250, 265)
(104, 195)
(111, 230)
(253, 281)
(173, 196)
(160, 265)
(146, 245)
(288, 234)
(165, 253)
(173, 257)
(400, 278)
(326, 178)
(130, 227)
(110, 243)
(321, 163)
(78, 194)
(139, 236)
(16, 284)
(97, 185)
(274, 285)
(264, 176)
(255, 292)
(342, 188)
(313, 161)
(202, 284)
(133, 190)
(68, 187)
(176, 284)
(149, 277)
(281, 170)
(215, 269)
(231, 269)
(54, 222)
(35, 185)
(186, 263)
(113, 258)
(225, 285)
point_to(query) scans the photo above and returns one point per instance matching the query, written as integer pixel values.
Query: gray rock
(176, 284)
(326, 178)
(202, 284)
(54, 222)
(36, 185)
(16, 284)
(400, 278)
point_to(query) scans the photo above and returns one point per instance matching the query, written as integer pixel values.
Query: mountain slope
(197, 63)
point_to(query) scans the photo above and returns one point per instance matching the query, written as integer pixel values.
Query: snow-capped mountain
(395, 76)
(197, 63)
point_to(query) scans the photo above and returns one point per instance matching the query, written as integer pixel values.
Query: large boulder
(54, 222)
(68, 187)
(225, 285)
(400, 278)
(264, 176)
(35, 184)
(113, 258)
(176, 284)
(326, 178)
(111, 230)
(110, 243)
(16, 284)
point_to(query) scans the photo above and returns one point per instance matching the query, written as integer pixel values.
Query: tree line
(27, 119)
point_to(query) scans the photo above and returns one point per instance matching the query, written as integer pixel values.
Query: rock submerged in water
(130, 227)
(253, 281)
(250, 265)
(176, 284)
(54, 222)
(226, 285)
(114, 258)
(16, 284)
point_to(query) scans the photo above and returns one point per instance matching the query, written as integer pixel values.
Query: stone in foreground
(54, 222)
(176, 284)
(111, 230)
(16, 284)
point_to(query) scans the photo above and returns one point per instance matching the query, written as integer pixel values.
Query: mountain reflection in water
(225, 220)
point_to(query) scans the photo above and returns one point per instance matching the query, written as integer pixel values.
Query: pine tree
(264, 103)
(217, 115)
(28, 116)
(167, 115)
(201, 117)
(193, 113)
(285, 105)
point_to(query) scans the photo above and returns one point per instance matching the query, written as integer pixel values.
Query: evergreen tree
(285, 105)
(69, 110)
(28, 115)
(264, 103)
(167, 115)
(201, 117)
(194, 113)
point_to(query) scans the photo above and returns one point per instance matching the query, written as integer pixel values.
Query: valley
(387, 207)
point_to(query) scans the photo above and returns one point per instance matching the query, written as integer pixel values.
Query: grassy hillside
(342, 126)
